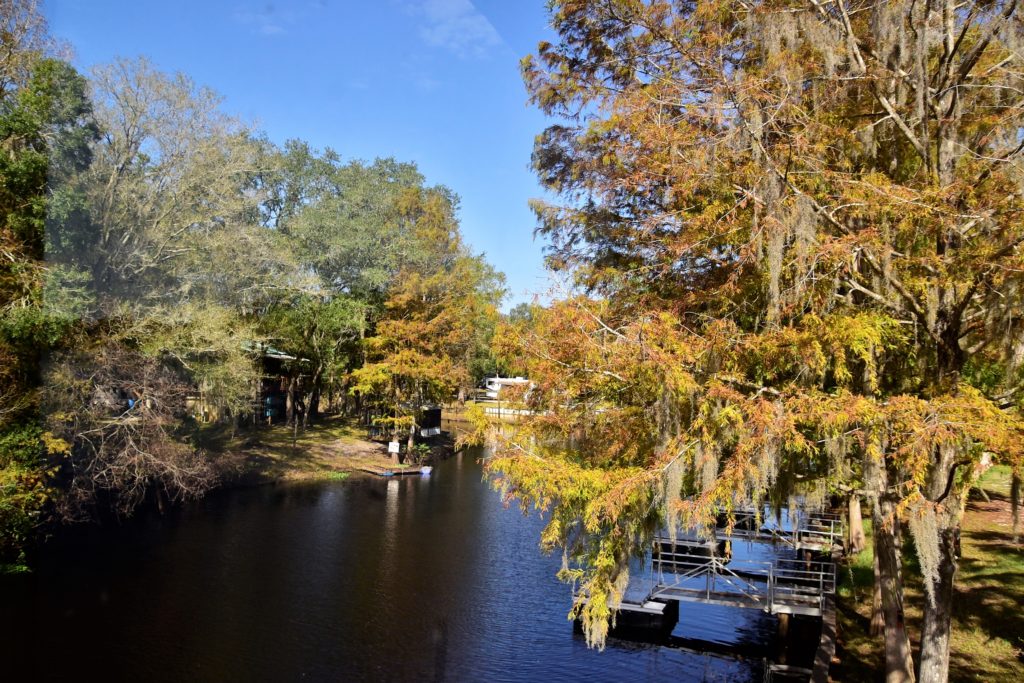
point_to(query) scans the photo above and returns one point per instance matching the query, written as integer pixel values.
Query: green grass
(860, 655)
(988, 639)
(327, 428)
(334, 476)
(329, 449)
(988, 624)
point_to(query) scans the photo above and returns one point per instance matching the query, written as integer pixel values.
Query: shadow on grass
(858, 653)
(988, 604)
(988, 622)
(261, 453)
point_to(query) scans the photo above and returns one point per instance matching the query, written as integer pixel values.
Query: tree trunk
(409, 450)
(289, 408)
(877, 617)
(948, 497)
(899, 662)
(314, 403)
(938, 613)
(856, 531)
(257, 412)
(1015, 486)
(300, 409)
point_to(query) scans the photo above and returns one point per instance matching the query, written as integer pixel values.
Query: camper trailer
(492, 386)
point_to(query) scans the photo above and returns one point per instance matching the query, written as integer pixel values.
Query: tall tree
(45, 133)
(422, 348)
(168, 247)
(356, 234)
(171, 182)
(345, 225)
(804, 222)
(323, 332)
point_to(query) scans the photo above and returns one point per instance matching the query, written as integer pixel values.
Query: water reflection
(409, 579)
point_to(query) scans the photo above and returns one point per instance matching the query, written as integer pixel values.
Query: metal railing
(806, 530)
(742, 578)
(827, 528)
(767, 584)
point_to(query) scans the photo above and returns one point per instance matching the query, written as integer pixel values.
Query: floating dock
(396, 471)
(785, 565)
(781, 586)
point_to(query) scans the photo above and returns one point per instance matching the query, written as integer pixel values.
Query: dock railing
(806, 530)
(781, 584)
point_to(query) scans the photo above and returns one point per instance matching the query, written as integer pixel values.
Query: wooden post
(783, 637)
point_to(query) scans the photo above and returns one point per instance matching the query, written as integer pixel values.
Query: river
(413, 579)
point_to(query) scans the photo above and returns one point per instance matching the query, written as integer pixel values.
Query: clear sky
(431, 81)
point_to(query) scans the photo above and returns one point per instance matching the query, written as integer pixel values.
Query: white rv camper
(492, 386)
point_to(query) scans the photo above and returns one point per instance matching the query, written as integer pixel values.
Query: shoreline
(331, 449)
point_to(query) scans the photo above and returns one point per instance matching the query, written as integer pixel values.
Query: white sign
(393, 447)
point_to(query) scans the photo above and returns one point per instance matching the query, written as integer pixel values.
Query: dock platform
(779, 586)
(396, 471)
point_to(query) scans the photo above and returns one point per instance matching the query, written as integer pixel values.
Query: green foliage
(150, 243)
(46, 133)
(356, 234)
(24, 489)
(202, 340)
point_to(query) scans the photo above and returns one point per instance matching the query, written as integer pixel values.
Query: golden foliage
(800, 231)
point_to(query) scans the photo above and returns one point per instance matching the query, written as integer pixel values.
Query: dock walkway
(796, 578)
(781, 586)
(395, 471)
(819, 531)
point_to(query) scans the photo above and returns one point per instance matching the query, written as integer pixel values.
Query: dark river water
(414, 579)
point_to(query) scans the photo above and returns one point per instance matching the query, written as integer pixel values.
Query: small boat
(426, 469)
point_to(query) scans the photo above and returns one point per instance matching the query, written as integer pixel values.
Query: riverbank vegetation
(165, 266)
(794, 234)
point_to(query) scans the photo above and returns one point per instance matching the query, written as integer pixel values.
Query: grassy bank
(988, 625)
(333, 448)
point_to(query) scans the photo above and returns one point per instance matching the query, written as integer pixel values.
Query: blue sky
(431, 81)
